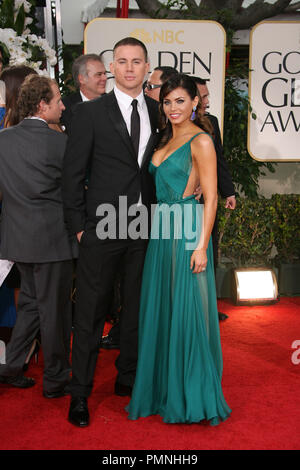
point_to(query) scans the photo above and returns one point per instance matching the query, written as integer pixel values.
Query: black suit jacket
(225, 185)
(70, 103)
(99, 141)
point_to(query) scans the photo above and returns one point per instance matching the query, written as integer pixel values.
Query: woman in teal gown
(179, 367)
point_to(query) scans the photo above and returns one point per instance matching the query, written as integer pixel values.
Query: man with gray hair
(90, 78)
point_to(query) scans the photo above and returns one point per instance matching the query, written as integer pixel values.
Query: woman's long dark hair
(187, 83)
(13, 78)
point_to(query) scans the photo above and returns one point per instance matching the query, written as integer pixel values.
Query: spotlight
(254, 286)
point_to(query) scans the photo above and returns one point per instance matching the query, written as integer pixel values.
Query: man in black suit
(152, 89)
(115, 135)
(90, 78)
(33, 234)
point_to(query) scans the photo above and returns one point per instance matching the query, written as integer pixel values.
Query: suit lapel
(149, 150)
(119, 123)
(153, 113)
(153, 139)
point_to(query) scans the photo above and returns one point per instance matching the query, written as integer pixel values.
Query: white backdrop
(274, 91)
(192, 47)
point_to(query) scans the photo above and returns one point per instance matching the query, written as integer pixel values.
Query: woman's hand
(198, 260)
(198, 193)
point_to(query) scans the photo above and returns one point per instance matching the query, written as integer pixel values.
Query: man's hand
(79, 235)
(230, 202)
(198, 193)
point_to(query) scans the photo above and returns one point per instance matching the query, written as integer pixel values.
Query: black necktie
(135, 127)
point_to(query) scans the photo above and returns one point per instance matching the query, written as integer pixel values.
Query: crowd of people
(62, 160)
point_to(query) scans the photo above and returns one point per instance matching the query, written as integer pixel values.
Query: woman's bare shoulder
(202, 141)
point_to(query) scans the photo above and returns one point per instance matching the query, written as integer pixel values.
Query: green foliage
(7, 14)
(68, 54)
(20, 20)
(7, 19)
(286, 212)
(249, 235)
(164, 9)
(179, 4)
(245, 171)
(5, 54)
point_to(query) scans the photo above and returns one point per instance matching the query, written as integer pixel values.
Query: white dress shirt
(36, 117)
(83, 97)
(124, 102)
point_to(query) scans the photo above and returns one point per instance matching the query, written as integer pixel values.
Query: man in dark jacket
(114, 135)
(34, 236)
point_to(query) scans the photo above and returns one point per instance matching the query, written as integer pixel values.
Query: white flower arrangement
(26, 49)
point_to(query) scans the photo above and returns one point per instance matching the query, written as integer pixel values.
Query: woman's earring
(193, 116)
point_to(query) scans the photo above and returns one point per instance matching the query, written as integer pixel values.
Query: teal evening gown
(179, 357)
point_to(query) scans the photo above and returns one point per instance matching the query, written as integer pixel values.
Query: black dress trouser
(44, 305)
(97, 265)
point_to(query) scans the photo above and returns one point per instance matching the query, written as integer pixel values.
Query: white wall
(71, 15)
(70, 19)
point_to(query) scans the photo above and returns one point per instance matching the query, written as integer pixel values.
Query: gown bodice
(171, 176)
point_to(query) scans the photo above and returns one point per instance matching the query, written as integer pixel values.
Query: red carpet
(260, 382)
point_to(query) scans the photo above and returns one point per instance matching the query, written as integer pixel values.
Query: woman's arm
(204, 156)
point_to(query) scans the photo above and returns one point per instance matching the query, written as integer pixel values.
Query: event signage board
(192, 47)
(274, 91)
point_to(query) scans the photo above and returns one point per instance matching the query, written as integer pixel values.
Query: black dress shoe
(222, 316)
(57, 394)
(108, 342)
(19, 381)
(78, 412)
(123, 390)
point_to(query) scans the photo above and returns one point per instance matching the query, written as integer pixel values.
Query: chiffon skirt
(179, 358)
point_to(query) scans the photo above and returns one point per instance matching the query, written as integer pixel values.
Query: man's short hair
(79, 66)
(199, 81)
(131, 41)
(34, 89)
(167, 72)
